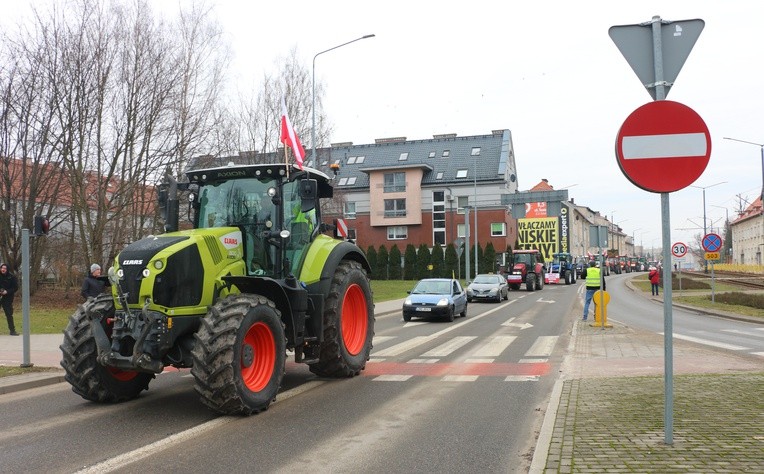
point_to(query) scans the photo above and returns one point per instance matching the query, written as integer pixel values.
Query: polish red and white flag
(289, 136)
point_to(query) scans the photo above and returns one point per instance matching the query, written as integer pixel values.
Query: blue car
(436, 297)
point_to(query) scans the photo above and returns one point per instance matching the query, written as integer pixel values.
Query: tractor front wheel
(239, 355)
(530, 282)
(89, 379)
(348, 323)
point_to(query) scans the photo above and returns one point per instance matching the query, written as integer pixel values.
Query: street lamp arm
(313, 80)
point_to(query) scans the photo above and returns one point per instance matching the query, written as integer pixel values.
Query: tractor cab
(275, 213)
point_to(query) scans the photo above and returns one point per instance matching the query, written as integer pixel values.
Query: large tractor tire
(540, 281)
(568, 278)
(348, 323)
(89, 379)
(239, 355)
(530, 281)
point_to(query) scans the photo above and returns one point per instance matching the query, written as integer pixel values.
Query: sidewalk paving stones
(609, 416)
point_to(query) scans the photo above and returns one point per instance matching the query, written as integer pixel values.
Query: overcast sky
(548, 71)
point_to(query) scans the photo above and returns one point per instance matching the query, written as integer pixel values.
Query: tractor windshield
(243, 203)
(523, 258)
(236, 202)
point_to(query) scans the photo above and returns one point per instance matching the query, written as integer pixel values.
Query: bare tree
(260, 114)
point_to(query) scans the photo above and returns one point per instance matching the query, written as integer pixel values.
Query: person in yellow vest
(592, 276)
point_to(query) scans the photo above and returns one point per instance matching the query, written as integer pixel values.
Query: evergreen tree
(438, 263)
(394, 263)
(409, 263)
(371, 256)
(382, 259)
(423, 259)
(451, 262)
(489, 259)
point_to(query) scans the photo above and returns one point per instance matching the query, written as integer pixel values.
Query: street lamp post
(634, 241)
(313, 129)
(476, 216)
(704, 212)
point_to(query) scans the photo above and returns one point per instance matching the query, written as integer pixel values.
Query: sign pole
(668, 357)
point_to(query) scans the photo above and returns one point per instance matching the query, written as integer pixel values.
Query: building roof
(444, 159)
(753, 210)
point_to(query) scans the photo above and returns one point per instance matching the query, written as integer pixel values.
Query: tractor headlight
(158, 264)
(145, 273)
(113, 275)
(120, 273)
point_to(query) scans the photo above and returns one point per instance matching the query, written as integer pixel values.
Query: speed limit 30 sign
(679, 249)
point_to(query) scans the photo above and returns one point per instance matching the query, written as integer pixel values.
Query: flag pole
(286, 159)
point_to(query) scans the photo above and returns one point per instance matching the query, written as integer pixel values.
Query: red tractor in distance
(528, 268)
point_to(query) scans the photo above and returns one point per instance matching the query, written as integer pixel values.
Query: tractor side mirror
(308, 194)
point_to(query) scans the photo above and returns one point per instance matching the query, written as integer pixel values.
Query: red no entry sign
(663, 146)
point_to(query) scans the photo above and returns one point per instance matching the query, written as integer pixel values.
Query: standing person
(8, 287)
(655, 279)
(592, 276)
(92, 286)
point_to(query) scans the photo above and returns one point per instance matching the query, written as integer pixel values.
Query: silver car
(488, 287)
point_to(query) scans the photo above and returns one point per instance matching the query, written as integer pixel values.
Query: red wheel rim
(354, 319)
(257, 375)
(122, 375)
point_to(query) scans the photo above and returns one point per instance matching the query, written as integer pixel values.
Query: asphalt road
(633, 309)
(467, 396)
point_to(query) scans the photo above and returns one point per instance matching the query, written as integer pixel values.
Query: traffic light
(41, 225)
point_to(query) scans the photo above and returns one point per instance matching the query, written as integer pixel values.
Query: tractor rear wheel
(348, 323)
(89, 379)
(239, 355)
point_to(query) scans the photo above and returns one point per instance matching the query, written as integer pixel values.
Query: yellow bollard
(600, 309)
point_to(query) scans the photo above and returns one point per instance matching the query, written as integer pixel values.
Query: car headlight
(469, 291)
(493, 291)
(443, 302)
(407, 302)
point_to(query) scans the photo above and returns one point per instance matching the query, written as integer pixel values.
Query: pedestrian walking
(93, 285)
(655, 279)
(592, 276)
(8, 287)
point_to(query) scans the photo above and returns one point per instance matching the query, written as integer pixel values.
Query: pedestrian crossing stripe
(442, 369)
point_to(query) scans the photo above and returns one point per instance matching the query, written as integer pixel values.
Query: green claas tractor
(254, 278)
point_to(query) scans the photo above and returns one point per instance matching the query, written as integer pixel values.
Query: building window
(397, 233)
(351, 160)
(395, 182)
(351, 234)
(498, 229)
(446, 153)
(461, 230)
(343, 182)
(461, 173)
(395, 208)
(461, 202)
(439, 175)
(351, 180)
(349, 211)
(431, 155)
(404, 156)
(360, 160)
(475, 151)
(439, 218)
